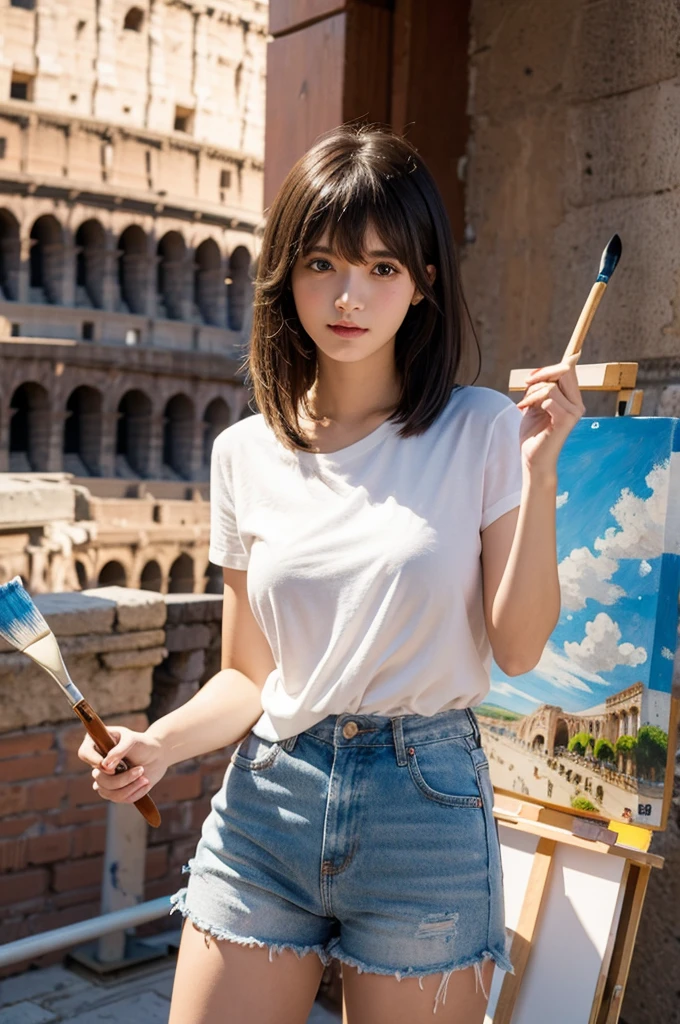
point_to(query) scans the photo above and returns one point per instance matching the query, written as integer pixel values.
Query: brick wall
(52, 823)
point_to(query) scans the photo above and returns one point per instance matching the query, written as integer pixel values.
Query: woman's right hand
(140, 749)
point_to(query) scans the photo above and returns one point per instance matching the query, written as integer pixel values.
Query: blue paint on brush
(610, 257)
(21, 623)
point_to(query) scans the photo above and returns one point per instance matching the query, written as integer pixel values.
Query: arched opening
(47, 260)
(214, 580)
(112, 575)
(90, 264)
(10, 256)
(133, 435)
(152, 577)
(178, 438)
(133, 266)
(170, 275)
(134, 19)
(181, 579)
(561, 733)
(208, 283)
(239, 291)
(83, 431)
(29, 429)
(81, 573)
(538, 742)
(215, 420)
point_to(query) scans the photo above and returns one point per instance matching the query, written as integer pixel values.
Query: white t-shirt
(364, 568)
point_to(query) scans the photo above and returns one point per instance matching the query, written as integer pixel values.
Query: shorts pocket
(254, 753)
(442, 772)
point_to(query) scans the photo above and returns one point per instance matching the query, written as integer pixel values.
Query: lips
(347, 332)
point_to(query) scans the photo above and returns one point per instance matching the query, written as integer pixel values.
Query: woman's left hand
(551, 407)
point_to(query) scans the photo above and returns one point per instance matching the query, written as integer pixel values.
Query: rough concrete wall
(574, 137)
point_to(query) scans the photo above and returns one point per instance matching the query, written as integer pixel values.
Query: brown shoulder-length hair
(353, 176)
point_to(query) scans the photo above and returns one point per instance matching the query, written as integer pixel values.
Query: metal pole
(83, 931)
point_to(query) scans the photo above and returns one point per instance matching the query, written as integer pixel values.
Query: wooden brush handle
(585, 319)
(105, 742)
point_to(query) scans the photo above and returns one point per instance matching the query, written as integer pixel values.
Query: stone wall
(135, 655)
(573, 138)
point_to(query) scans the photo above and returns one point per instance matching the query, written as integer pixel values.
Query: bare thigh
(225, 983)
(381, 999)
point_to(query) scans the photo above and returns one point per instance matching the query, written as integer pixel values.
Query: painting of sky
(618, 532)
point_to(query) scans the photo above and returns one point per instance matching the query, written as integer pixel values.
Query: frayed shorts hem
(178, 901)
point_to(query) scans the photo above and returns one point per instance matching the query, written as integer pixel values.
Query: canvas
(588, 728)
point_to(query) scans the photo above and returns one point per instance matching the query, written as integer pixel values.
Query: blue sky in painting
(629, 619)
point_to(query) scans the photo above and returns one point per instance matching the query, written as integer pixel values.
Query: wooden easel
(548, 840)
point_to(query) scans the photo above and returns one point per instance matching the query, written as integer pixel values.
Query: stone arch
(133, 435)
(170, 275)
(47, 260)
(181, 577)
(133, 266)
(151, 577)
(215, 419)
(10, 256)
(134, 19)
(83, 431)
(239, 290)
(112, 575)
(90, 264)
(29, 429)
(538, 742)
(178, 437)
(208, 283)
(214, 580)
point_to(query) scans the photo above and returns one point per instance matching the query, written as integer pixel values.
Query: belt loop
(288, 744)
(475, 725)
(398, 733)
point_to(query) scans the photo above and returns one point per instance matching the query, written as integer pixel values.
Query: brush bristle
(21, 623)
(610, 258)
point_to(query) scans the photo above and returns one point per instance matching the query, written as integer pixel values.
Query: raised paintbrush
(610, 257)
(23, 626)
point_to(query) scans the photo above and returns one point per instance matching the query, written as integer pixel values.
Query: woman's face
(374, 296)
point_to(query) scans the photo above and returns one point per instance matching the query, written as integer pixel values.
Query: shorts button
(349, 730)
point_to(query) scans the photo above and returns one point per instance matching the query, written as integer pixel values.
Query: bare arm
(519, 550)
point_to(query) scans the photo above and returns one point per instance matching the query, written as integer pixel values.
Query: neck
(348, 394)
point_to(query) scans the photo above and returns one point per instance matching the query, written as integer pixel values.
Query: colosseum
(131, 170)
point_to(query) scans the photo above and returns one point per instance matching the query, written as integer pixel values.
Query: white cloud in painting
(562, 499)
(507, 690)
(645, 567)
(640, 520)
(638, 534)
(600, 650)
(558, 670)
(583, 575)
(667, 653)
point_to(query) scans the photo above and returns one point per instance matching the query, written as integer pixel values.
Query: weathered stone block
(135, 609)
(185, 666)
(193, 608)
(134, 659)
(187, 638)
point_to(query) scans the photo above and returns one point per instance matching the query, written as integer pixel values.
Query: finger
(87, 752)
(117, 782)
(554, 372)
(537, 394)
(118, 753)
(143, 788)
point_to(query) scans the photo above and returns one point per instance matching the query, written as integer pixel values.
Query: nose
(349, 297)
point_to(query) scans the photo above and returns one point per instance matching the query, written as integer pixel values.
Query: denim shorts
(366, 839)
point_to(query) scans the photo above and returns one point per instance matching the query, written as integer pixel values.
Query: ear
(431, 273)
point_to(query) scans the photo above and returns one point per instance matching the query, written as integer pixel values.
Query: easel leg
(526, 927)
(625, 941)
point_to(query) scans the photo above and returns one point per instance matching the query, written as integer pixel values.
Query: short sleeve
(226, 547)
(503, 468)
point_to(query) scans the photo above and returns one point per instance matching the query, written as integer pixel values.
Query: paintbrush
(23, 626)
(610, 257)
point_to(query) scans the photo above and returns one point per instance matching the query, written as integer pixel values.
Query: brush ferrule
(45, 652)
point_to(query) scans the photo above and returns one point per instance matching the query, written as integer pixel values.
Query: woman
(382, 531)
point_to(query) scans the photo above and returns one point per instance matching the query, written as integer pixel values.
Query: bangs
(357, 202)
